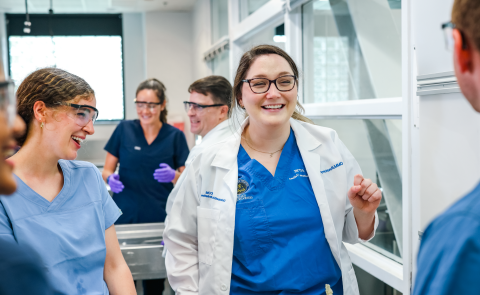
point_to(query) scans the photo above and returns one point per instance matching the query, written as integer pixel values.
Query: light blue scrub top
(68, 233)
(279, 241)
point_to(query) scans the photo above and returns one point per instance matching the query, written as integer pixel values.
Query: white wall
(201, 37)
(449, 152)
(169, 51)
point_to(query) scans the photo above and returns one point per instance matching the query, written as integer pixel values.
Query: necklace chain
(271, 154)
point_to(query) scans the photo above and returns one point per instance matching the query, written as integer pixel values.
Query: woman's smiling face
(62, 134)
(272, 108)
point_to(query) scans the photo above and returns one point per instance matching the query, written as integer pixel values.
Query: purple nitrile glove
(164, 174)
(115, 184)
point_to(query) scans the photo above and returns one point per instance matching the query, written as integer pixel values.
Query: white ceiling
(95, 6)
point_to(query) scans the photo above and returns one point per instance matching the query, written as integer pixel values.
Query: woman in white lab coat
(267, 211)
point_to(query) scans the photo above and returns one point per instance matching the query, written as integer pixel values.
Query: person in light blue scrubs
(294, 228)
(61, 209)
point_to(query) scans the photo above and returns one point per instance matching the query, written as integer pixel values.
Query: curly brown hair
(50, 85)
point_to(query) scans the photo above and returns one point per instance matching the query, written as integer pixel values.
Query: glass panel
(98, 60)
(377, 147)
(368, 284)
(273, 35)
(219, 14)
(248, 7)
(221, 64)
(352, 50)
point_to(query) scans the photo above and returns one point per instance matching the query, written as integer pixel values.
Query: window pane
(352, 50)
(248, 7)
(98, 60)
(377, 147)
(221, 64)
(219, 19)
(272, 35)
(368, 284)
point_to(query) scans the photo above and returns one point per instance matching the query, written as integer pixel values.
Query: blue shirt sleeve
(181, 151)
(5, 224)
(111, 212)
(21, 271)
(113, 144)
(449, 257)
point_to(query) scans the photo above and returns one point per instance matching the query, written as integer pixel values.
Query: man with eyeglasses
(208, 110)
(449, 256)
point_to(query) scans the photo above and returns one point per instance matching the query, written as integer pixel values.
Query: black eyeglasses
(81, 113)
(261, 85)
(199, 107)
(448, 34)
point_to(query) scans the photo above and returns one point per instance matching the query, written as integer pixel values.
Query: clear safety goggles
(8, 102)
(198, 108)
(82, 114)
(141, 105)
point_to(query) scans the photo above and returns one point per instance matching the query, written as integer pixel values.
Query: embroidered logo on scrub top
(209, 195)
(299, 173)
(331, 168)
(137, 148)
(242, 186)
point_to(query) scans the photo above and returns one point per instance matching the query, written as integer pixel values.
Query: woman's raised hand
(364, 195)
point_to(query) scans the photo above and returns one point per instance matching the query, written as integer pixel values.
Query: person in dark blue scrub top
(21, 270)
(152, 155)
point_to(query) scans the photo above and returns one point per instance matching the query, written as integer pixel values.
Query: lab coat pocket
(207, 220)
(252, 231)
(353, 280)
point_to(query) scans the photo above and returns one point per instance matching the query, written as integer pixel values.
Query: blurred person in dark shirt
(21, 271)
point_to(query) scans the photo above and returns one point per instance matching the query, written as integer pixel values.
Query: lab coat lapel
(226, 158)
(310, 150)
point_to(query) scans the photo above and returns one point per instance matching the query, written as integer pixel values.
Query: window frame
(70, 25)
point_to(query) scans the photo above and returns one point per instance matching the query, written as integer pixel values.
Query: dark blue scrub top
(279, 241)
(144, 199)
(449, 255)
(21, 271)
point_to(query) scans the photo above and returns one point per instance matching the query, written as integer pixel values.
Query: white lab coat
(221, 132)
(199, 230)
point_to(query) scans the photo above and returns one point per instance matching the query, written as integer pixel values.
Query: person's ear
(463, 57)
(39, 111)
(224, 110)
(163, 105)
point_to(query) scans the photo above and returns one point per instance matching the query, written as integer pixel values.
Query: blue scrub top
(68, 234)
(144, 199)
(21, 271)
(279, 241)
(449, 255)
